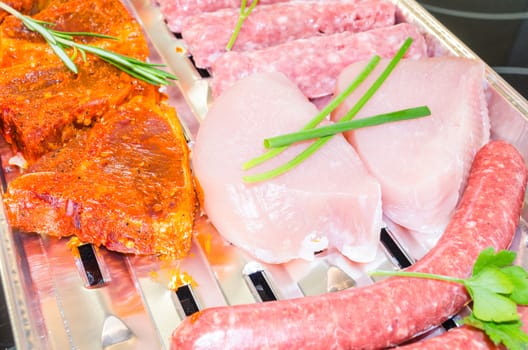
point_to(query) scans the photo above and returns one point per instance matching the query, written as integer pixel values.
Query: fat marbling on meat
(327, 201)
(423, 164)
(206, 35)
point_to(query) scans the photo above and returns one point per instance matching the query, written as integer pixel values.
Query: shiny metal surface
(52, 307)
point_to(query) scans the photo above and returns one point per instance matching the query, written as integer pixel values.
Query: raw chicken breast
(330, 200)
(422, 164)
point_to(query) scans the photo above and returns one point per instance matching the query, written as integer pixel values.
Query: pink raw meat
(206, 35)
(314, 63)
(175, 11)
(422, 164)
(330, 200)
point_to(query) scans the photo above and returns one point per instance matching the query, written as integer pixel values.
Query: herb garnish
(323, 140)
(244, 13)
(332, 129)
(496, 288)
(322, 114)
(59, 41)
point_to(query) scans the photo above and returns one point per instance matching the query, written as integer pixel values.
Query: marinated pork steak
(422, 165)
(42, 103)
(327, 201)
(18, 45)
(125, 184)
(42, 107)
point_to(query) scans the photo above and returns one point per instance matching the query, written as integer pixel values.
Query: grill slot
(89, 266)
(204, 73)
(449, 324)
(2, 176)
(187, 300)
(259, 285)
(395, 251)
(258, 282)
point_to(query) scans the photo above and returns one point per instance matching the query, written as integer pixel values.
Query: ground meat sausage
(206, 35)
(175, 11)
(314, 64)
(464, 337)
(388, 312)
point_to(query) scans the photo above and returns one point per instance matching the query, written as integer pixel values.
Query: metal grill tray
(106, 300)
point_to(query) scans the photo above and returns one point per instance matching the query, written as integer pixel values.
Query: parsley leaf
(496, 287)
(507, 333)
(492, 307)
(519, 277)
(489, 290)
(487, 258)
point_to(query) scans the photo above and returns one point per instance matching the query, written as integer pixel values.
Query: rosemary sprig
(59, 41)
(244, 13)
(332, 129)
(351, 114)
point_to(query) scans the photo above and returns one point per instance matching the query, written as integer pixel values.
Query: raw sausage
(464, 337)
(315, 63)
(175, 11)
(206, 35)
(391, 311)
